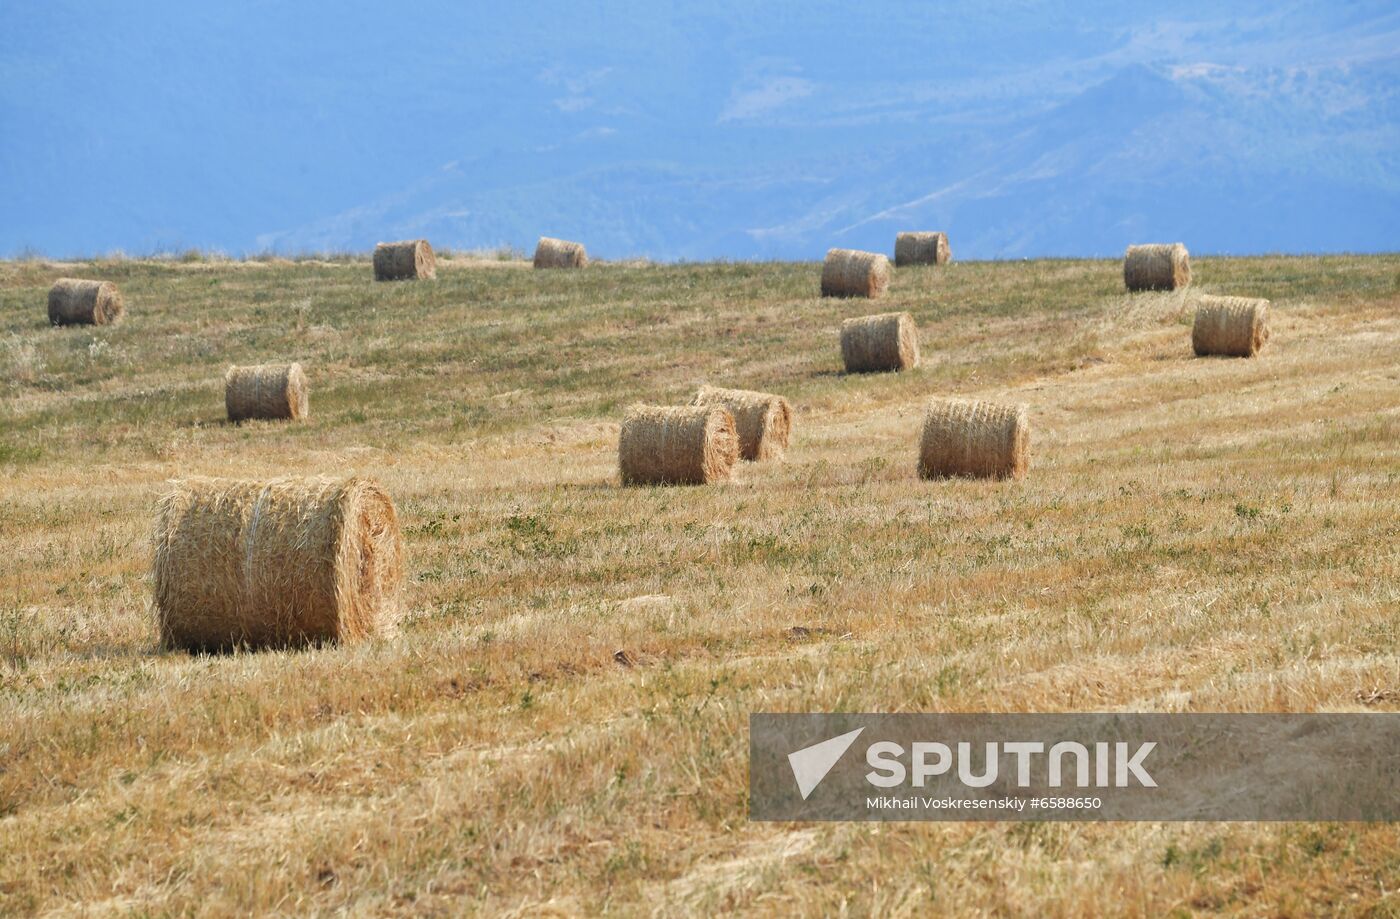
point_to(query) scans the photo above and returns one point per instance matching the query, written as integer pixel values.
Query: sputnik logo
(811, 764)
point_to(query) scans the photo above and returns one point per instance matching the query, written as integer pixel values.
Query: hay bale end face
(77, 302)
(762, 421)
(1156, 266)
(852, 273)
(407, 260)
(974, 438)
(677, 445)
(921, 249)
(285, 563)
(268, 391)
(1230, 326)
(559, 253)
(871, 344)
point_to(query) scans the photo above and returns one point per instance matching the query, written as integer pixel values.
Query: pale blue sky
(700, 130)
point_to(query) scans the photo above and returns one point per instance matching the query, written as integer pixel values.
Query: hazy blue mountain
(726, 129)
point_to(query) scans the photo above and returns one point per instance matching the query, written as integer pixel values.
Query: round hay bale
(408, 260)
(888, 341)
(677, 445)
(974, 438)
(921, 249)
(75, 302)
(271, 391)
(852, 273)
(559, 253)
(1157, 266)
(762, 421)
(283, 563)
(1230, 326)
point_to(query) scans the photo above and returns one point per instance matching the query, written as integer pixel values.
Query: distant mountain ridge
(724, 133)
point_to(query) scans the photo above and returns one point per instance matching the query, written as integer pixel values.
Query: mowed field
(561, 724)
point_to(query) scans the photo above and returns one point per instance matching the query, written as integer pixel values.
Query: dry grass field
(561, 725)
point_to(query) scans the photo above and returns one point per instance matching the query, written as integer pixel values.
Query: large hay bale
(677, 445)
(1230, 326)
(407, 260)
(76, 302)
(273, 391)
(282, 563)
(974, 438)
(762, 421)
(1157, 266)
(921, 249)
(559, 253)
(888, 341)
(852, 273)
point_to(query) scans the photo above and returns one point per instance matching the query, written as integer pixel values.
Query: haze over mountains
(696, 131)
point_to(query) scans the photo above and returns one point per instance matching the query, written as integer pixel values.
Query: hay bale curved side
(288, 562)
(762, 420)
(406, 260)
(1230, 326)
(1156, 266)
(919, 248)
(887, 341)
(271, 391)
(677, 445)
(852, 273)
(77, 302)
(974, 438)
(560, 253)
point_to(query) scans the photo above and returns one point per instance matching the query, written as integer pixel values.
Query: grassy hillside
(1194, 534)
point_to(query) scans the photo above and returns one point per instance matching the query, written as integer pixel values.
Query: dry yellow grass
(1196, 535)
